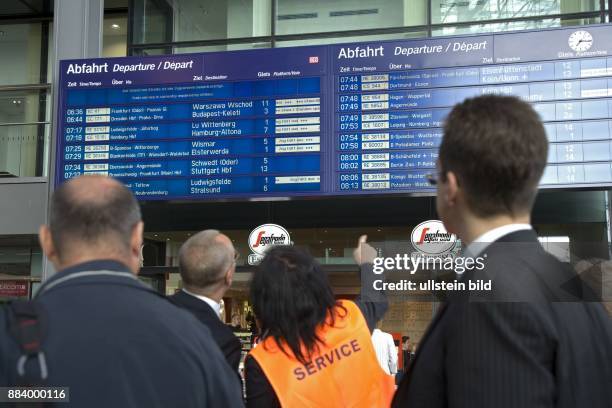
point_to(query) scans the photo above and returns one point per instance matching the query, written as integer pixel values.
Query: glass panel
(20, 44)
(23, 149)
(297, 16)
(37, 263)
(453, 11)
(114, 40)
(152, 51)
(565, 22)
(23, 144)
(193, 20)
(225, 47)
(8, 7)
(114, 4)
(152, 21)
(195, 49)
(22, 106)
(34, 288)
(330, 246)
(14, 272)
(14, 261)
(345, 39)
(513, 26)
(50, 48)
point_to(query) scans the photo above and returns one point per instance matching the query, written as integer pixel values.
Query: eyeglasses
(236, 256)
(431, 179)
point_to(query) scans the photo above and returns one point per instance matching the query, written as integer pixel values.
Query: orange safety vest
(344, 372)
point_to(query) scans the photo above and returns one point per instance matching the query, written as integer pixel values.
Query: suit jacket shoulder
(531, 342)
(222, 334)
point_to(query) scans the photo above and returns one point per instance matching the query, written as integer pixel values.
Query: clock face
(580, 41)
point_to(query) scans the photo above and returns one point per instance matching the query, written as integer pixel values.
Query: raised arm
(372, 303)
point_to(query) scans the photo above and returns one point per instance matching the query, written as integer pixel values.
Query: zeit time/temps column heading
(330, 120)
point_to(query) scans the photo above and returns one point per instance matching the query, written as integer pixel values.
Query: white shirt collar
(215, 305)
(483, 241)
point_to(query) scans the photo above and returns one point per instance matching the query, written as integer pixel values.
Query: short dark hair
(107, 214)
(497, 148)
(203, 260)
(291, 298)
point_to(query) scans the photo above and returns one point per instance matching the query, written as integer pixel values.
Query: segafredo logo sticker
(431, 238)
(263, 238)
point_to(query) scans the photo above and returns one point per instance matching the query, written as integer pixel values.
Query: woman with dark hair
(315, 351)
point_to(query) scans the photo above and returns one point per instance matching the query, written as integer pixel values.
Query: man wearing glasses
(533, 340)
(207, 263)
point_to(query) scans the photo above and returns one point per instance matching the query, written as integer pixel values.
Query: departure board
(327, 120)
(197, 126)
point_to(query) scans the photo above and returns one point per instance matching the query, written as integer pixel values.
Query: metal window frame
(42, 102)
(44, 18)
(273, 39)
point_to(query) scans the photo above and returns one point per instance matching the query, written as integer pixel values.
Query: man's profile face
(447, 194)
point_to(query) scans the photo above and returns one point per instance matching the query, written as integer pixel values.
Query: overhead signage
(327, 120)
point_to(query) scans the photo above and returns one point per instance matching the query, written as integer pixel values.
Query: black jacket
(221, 333)
(117, 343)
(530, 342)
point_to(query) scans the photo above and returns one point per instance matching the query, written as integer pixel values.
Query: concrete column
(77, 33)
(77, 30)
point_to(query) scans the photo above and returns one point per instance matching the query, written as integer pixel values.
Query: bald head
(205, 260)
(94, 214)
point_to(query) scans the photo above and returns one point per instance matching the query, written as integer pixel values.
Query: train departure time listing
(327, 120)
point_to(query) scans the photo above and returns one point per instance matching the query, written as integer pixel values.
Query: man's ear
(452, 189)
(229, 276)
(48, 246)
(136, 242)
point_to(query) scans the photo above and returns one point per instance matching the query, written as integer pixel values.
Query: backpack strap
(26, 324)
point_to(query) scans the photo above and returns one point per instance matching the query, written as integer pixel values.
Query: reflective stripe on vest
(344, 372)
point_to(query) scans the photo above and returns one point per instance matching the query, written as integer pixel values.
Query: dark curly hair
(292, 298)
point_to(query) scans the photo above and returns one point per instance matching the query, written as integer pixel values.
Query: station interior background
(327, 227)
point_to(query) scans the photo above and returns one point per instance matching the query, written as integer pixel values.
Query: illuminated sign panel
(327, 120)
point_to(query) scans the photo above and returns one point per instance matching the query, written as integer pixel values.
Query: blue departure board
(327, 120)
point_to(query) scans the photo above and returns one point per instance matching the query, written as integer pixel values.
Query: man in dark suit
(107, 336)
(207, 264)
(406, 351)
(532, 340)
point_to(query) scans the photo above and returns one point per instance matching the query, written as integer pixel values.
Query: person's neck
(474, 226)
(213, 294)
(82, 257)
